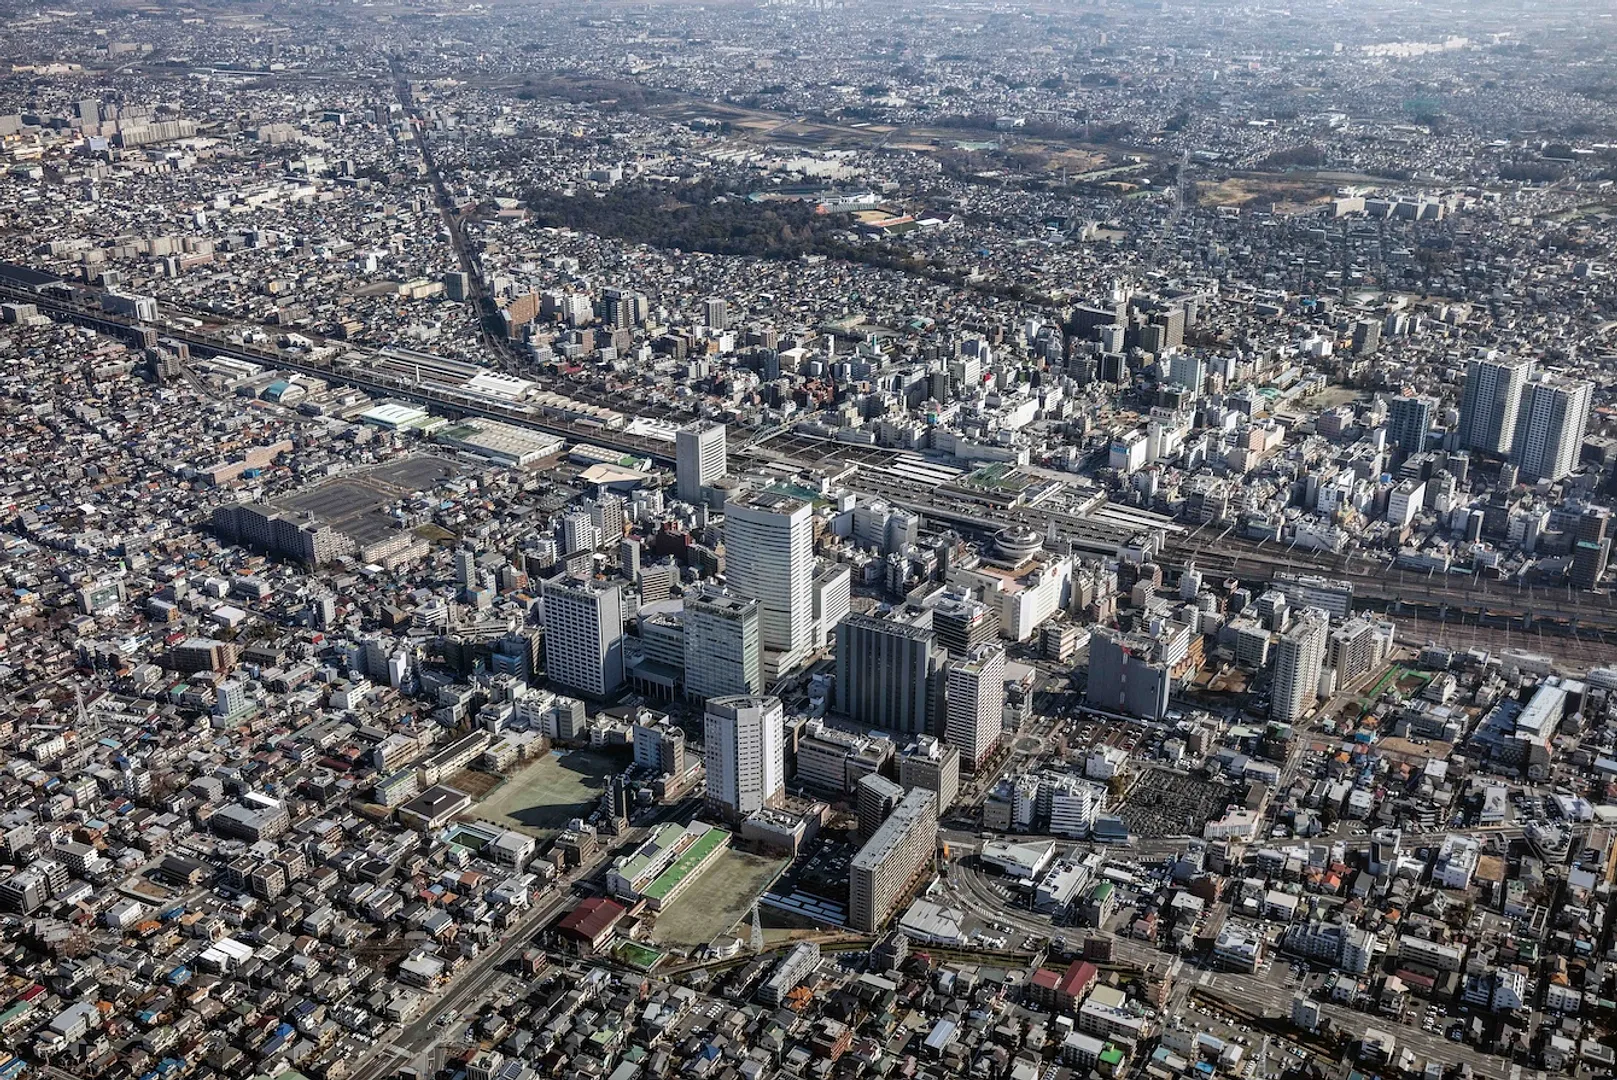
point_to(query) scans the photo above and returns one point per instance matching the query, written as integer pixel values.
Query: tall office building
(887, 673)
(584, 635)
(769, 556)
(579, 533)
(744, 750)
(1298, 660)
(1409, 420)
(1128, 674)
(876, 797)
(723, 655)
(1188, 370)
(622, 308)
(718, 313)
(931, 764)
(895, 855)
(1549, 427)
(700, 459)
(1490, 403)
(962, 623)
(975, 713)
(465, 567)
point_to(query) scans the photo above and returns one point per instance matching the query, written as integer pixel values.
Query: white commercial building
(584, 635)
(744, 746)
(1298, 660)
(974, 714)
(769, 556)
(1549, 427)
(1490, 403)
(700, 458)
(723, 655)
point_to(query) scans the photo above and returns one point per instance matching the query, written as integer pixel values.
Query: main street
(399, 1046)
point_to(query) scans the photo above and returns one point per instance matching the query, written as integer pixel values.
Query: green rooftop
(693, 857)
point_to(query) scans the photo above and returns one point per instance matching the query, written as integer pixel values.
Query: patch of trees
(1295, 157)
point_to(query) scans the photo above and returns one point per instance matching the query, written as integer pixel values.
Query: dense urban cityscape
(808, 538)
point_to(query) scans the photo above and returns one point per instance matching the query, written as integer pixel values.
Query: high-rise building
(744, 749)
(622, 308)
(700, 458)
(961, 623)
(876, 797)
(579, 533)
(584, 635)
(1366, 337)
(974, 715)
(1126, 674)
(769, 557)
(723, 655)
(1409, 420)
(1549, 427)
(887, 673)
(1491, 402)
(1298, 660)
(1589, 561)
(1357, 647)
(465, 567)
(890, 861)
(1188, 370)
(933, 764)
(718, 313)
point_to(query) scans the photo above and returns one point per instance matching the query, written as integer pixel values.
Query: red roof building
(590, 925)
(1074, 985)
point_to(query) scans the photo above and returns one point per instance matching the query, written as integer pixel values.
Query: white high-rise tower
(1298, 660)
(700, 458)
(1550, 426)
(1489, 403)
(974, 714)
(769, 557)
(743, 748)
(584, 635)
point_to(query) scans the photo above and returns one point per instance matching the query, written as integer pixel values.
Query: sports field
(717, 901)
(541, 798)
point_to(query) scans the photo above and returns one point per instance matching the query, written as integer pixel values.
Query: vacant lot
(716, 901)
(541, 798)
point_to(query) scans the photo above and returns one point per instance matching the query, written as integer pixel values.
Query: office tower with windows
(718, 313)
(744, 751)
(1409, 420)
(584, 635)
(974, 714)
(1490, 403)
(1298, 660)
(1549, 427)
(888, 672)
(700, 459)
(769, 557)
(723, 655)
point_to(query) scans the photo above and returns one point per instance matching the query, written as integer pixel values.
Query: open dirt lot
(717, 901)
(541, 798)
